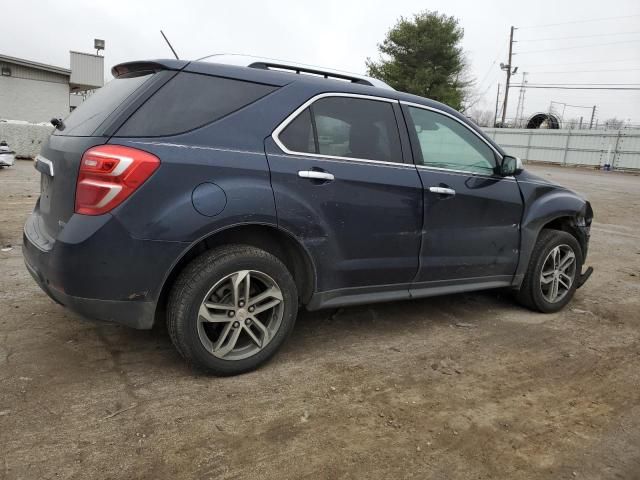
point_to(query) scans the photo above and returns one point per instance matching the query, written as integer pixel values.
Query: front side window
(346, 127)
(446, 143)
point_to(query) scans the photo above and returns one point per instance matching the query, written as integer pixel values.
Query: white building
(36, 92)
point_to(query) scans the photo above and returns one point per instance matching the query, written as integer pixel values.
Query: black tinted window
(189, 101)
(347, 127)
(96, 108)
(298, 136)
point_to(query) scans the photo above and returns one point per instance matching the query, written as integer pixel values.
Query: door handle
(442, 190)
(315, 175)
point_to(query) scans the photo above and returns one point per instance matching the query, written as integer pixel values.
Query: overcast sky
(342, 33)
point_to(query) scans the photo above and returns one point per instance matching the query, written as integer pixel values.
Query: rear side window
(298, 136)
(85, 119)
(190, 101)
(346, 127)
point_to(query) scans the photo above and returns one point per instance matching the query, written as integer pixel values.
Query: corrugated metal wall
(28, 73)
(619, 148)
(87, 70)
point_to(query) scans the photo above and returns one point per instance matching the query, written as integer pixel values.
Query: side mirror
(510, 166)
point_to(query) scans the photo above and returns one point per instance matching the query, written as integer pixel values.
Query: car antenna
(169, 43)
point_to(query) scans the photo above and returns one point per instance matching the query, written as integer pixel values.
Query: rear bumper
(95, 268)
(138, 315)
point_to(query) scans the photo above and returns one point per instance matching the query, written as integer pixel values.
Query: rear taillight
(109, 174)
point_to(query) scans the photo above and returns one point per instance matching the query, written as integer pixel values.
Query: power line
(574, 106)
(486, 75)
(581, 88)
(578, 46)
(582, 63)
(601, 19)
(592, 84)
(578, 36)
(592, 71)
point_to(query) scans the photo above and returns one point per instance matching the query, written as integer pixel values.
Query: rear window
(88, 116)
(190, 101)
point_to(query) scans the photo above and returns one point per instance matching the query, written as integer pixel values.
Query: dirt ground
(467, 386)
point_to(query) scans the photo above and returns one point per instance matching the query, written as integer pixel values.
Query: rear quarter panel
(228, 153)
(163, 208)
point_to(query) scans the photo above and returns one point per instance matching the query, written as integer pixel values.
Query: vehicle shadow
(343, 326)
(316, 332)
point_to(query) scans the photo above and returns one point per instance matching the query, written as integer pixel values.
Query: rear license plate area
(46, 187)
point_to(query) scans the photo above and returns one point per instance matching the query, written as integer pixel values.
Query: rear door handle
(442, 190)
(316, 175)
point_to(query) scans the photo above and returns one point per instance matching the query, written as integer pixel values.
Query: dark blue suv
(220, 198)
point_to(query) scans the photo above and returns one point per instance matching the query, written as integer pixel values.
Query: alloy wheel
(240, 315)
(558, 273)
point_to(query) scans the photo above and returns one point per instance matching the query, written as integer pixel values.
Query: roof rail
(292, 67)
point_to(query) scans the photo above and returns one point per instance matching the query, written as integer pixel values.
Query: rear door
(345, 187)
(471, 215)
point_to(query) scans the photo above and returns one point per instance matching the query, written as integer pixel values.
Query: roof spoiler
(152, 66)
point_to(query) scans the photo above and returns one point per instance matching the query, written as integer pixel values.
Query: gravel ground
(468, 386)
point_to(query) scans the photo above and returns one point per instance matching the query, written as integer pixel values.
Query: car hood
(529, 177)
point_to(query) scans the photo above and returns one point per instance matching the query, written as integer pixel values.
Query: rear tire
(231, 309)
(553, 273)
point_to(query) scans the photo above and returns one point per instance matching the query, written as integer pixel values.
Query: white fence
(618, 148)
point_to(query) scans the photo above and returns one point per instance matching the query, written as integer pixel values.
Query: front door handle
(315, 175)
(442, 190)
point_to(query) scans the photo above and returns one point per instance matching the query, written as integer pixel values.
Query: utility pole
(508, 69)
(495, 117)
(520, 106)
(593, 114)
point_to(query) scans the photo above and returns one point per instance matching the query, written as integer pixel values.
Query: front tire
(231, 309)
(553, 273)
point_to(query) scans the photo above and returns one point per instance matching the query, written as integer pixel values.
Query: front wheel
(231, 309)
(553, 273)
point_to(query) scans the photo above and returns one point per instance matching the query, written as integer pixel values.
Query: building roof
(36, 65)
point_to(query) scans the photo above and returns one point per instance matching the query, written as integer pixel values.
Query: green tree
(423, 56)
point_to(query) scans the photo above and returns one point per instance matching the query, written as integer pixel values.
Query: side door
(345, 186)
(471, 215)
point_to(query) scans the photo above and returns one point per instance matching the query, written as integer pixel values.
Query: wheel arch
(558, 210)
(270, 238)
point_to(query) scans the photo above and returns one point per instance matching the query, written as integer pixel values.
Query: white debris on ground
(24, 138)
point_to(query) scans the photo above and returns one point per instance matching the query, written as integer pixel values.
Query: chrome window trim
(464, 172)
(285, 123)
(441, 112)
(349, 160)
